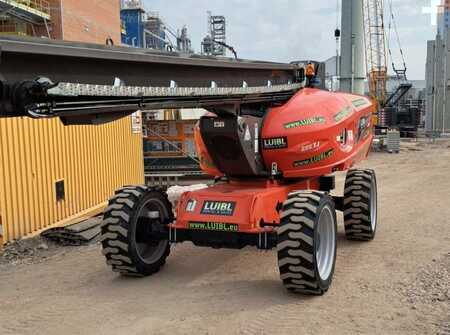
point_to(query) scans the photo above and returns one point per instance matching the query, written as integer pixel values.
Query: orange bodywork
(314, 134)
(256, 203)
(324, 131)
(206, 162)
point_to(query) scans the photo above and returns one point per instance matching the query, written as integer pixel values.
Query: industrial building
(438, 75)
(145, 29)
(214, 43)
(51, 174)
(132, 16)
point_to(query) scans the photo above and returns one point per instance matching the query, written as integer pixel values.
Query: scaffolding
(214, 43)
(20, 17)
(155, 34)
(32, 11)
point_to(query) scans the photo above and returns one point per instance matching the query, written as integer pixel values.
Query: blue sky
(286, 30)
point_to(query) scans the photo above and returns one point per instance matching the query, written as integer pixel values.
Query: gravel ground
(397, 284)
(429, 293)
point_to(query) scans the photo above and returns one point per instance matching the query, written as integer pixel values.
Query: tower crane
(376, 57)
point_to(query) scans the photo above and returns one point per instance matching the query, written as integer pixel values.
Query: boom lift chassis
(85, 84)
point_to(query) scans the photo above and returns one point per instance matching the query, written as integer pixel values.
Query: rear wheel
(133, 238)
(307, 242)
(360, 205)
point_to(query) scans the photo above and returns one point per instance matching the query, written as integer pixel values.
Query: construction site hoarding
(52, 175)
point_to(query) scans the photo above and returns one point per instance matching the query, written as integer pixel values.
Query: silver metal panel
(38, 46)
(393, 141)
(352, 47)
(74, 89)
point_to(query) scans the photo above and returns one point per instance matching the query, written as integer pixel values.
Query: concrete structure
(429, 77)
(438, 76)
(443, 18)
(352, 47)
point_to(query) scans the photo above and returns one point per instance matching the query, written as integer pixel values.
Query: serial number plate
(214, 226)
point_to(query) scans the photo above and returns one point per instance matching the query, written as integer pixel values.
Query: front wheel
(307, 242)
(360, 205)
(133, 238)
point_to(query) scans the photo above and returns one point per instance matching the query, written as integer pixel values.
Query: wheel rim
(325, 243)
(373, 205)
(151, 251)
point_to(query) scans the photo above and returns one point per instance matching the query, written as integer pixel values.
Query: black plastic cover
(233, 144)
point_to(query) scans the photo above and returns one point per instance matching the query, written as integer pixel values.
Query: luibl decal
(360, 102)
(305, 122)
(342, 114)
(225, 208)
(275, 143)
(190, 207)
(312, 146)
(214, 226)
(315, 159)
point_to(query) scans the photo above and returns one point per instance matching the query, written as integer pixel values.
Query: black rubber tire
(360, 187)
(297, 240)
(118, 232)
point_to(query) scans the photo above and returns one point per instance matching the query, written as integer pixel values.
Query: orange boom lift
(272, 150)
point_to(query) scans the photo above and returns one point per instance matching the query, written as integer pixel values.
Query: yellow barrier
(49, 173)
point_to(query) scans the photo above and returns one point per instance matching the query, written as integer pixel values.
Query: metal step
(75, 234)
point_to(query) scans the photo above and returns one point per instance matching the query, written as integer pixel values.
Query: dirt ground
(397, 284)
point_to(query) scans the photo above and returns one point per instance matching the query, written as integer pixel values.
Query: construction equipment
(272, 169)
(377, 47)
(376, 58)
(272, 150)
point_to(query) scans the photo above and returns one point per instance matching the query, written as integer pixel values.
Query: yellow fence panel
(50, 174)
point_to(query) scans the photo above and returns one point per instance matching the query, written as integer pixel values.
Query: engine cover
(314, 134)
